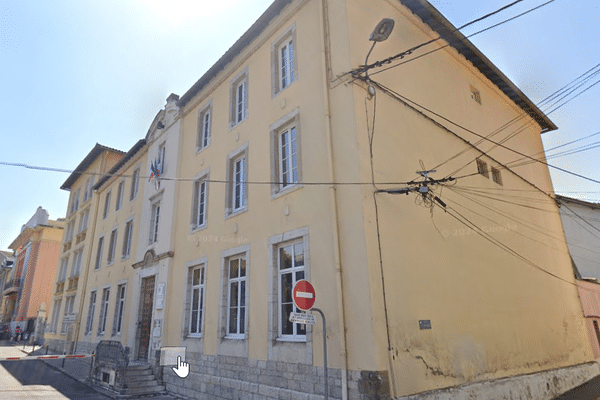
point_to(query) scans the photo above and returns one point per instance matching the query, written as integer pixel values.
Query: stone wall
(225, 377)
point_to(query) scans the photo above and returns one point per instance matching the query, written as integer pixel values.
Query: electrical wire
(405, 100)
(194, 179)
(408, 52)
(530, 225)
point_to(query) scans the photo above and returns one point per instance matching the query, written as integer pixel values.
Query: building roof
(87, 161)
(136, 147)
(560, 198)
(256, 29)
(439, 24)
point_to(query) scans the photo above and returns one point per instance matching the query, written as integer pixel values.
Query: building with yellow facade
(75, 254)
(286, 161)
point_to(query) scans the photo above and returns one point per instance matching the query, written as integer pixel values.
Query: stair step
(138, 373)
(138, 378)
(156, 389)
(153, 382)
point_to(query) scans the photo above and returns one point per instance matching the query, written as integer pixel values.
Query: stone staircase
(140, 382)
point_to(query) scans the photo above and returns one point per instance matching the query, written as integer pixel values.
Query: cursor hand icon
(182, 369)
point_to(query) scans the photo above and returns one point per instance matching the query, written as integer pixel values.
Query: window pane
(234, 268)
(287, 328)
(233, 294)
(291, 60)
(196, 277)
(194, 325)
(299, 275)
(242, 294)
(286, 288)
(285, 257)
(299, 255)
(242, 320)
(242, 267)
(195, 295)
(233, 320)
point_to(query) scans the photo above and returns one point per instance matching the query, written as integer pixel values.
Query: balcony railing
(72, 283)
(80, 237)
(67, 246)
(60, 287)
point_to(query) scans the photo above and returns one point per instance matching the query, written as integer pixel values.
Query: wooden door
(145, 317)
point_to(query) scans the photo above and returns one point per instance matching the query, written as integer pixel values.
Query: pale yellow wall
(99, 166)
(309, 206)
(120, 271)
(492, 314)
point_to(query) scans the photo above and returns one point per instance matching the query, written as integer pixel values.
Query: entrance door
(145, 317)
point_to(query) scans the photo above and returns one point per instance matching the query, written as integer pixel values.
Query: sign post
(304, 298)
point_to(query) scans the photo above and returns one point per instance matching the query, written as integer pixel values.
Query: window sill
(234, 213)
(199, 228)
(194, 336)
(291, 340)
(201, 149)
(235, 337)
(289, 189)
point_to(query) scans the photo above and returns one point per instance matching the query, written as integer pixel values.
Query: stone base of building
(59, 346)
(225, 377)
(545, 385)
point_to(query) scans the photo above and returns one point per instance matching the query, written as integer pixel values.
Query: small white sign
(303, 318)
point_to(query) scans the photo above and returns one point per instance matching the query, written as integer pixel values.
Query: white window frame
(135, 178)
(84, 217)
(62, 271)
(69, 301)
(154, 222)
(75, 201)
(112, 247)
(241, 309)
(276, 333)
(162, 154)
(199, 201)
(99, 250)
(55, 315)
(204, 127)
(120, 192)
(196, 290)
(106, 205)
(127, 239)
(119, 313)
(76, 267)
(238, 99)
(89, 325)
(237, 186)
(284, 73)
(286, 181)
(294, 270)
(104, 303)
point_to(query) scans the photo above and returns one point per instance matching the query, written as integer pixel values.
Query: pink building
(36, 252)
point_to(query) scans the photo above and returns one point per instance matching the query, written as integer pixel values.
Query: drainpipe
(326, 68)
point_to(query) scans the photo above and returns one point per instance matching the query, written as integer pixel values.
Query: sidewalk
(76, 368)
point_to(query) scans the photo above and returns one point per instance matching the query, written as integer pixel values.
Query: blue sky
(74, 73)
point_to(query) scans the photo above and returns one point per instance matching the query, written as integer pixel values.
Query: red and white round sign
(304, 295)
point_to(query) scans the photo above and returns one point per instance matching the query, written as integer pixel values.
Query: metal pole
(324, 352)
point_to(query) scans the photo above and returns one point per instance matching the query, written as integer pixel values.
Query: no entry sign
(304, 295)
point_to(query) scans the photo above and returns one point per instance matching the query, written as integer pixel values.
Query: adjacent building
(75, 255)
(284, 162)
(29, 287)
(581, 222)
(6, 264)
